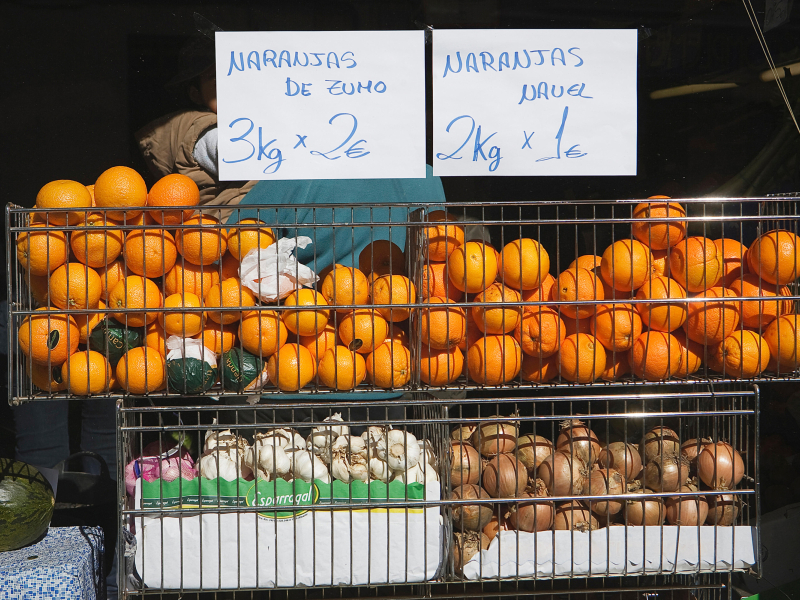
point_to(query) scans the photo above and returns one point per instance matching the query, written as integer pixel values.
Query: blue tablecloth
(66, 564)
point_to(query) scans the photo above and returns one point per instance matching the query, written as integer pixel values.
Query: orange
(150, 252)
(540, 333)
(318, 344)
(758, 314)
(216, 337)
(662, 316)
(393, 290)
(734, 260)
(660, 266)
(241, 240)
(228, 267)
(442, 326)
(229, 293)
(473, 333)
(141, 370)
(86, 323)
(345, 286)
(691, 354)
(39, 289)
(389, 365)
(577, 285)
(540, 294)
(659, 235)
(73, 285)
(64, 194)
(473, 267)
(262, 332)
(656, 356)
(182, 323)
(742, 355)
(587, 261)
(438, 367)
(616, 326)
(626, 265)
(397, 333)
(783, 338)
(191, 278)
(46, 378)
(617, 366)
(582, 358)
(135, 292)
(341, 369)
(155, 338)
(42, 250)
(712, 319)
(202, 240)
(291, 368)
(501, 319)
(775, 257)
(435, 282)
(305, 321)
(539, 370)
(524, 264)
(382, 257)
(442, 239)
(48, 339)
(573, 326)
(110, 275)
(696, 264)
(494, 360)
(173, 190)
(98, 242)
(363, 330)
(86, 373)
(121, 187)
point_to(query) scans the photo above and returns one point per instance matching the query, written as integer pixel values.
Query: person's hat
(197, 54)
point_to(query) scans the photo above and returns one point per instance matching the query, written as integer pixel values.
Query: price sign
(321, 105)
(534, 102)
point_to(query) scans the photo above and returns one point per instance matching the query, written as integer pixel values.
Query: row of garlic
(329, 452)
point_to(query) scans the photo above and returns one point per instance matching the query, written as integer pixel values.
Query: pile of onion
(720, 466)
(532, 516)
(465, 464)
(470, 517)
(578, 439)
(574, 516)
(623, 457)
(494, 438)
(563, 474)
(504, 476)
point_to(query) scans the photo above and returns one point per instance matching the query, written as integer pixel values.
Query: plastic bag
(273, 273)
(191, 367)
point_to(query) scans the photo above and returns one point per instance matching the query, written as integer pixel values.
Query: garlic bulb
(267, 454)
(400, 450)
(373, 435)
(307, 466)
(412, 475)
(215, 465)
(427, 454)
(349, 459)
(379, 470)
(229, 447)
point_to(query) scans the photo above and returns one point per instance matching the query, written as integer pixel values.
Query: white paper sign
(321, 105)
(534, 102)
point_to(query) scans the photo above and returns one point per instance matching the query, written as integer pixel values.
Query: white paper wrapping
(615, 550)
(342, 547)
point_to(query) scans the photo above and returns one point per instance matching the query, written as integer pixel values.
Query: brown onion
(466, 545)
(496, 524)
(645, 511)
(532, 450)
(504, 476)
(666, 473)
(605, 482)
(660, 440)
(532, 516)
(579, 439)
(574, 516)
(720, 466)
(687, 510)
(465, 464)
(722, 510)
(463, 434)
(623, 457)
(691, 449)
(563, 475)
(495, 438)
(472, 517)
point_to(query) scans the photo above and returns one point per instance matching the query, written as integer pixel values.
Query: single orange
(262, 332)
(668, 315)
(573, 326)
(309, 320)
(393, 291)
(398, 333)
(183, 323)
(345, 286)
(42, 250)
(135, 292)
(227, 267)
(577, 285)
(242, 239)
(74, 285)
(389, 365)
(494, 360)
(742, 355)
(712, 318)
(540, 294)
(87, 322)
(291, 368)
(141, 370)
(173, 190)
(587, 261)
(228, 294)
(691, 354)
(626, 265)
(39, 288)
(48, 338)
(757, 314)
(150, 252)
(98, 242)
(216, 337)
(775, 256)
(363, 330)
(616, 326)
(783, 338)
(473, 333)
(46, 377)
(121, 188)
(202, 240)
(435, 282)
(382, 257)
(442, 326)
(191, 278)
(660, 266)
(473, 267)
(64, 194)
(539, 370)
(540, 333)
(656, 356)
(439, 367)
(319, 343)
(441, 239)
(154, 337)
(341, 369)
(110, 275)
(734, 260)
(582, 358)
(86, 373)
(524, 263)
(617, 366)
(696, 264)
(659, 235)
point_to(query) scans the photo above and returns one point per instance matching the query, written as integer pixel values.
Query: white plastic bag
(273, 273)
(179, 347)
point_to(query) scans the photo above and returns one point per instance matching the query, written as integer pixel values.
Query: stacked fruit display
(669, 481)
